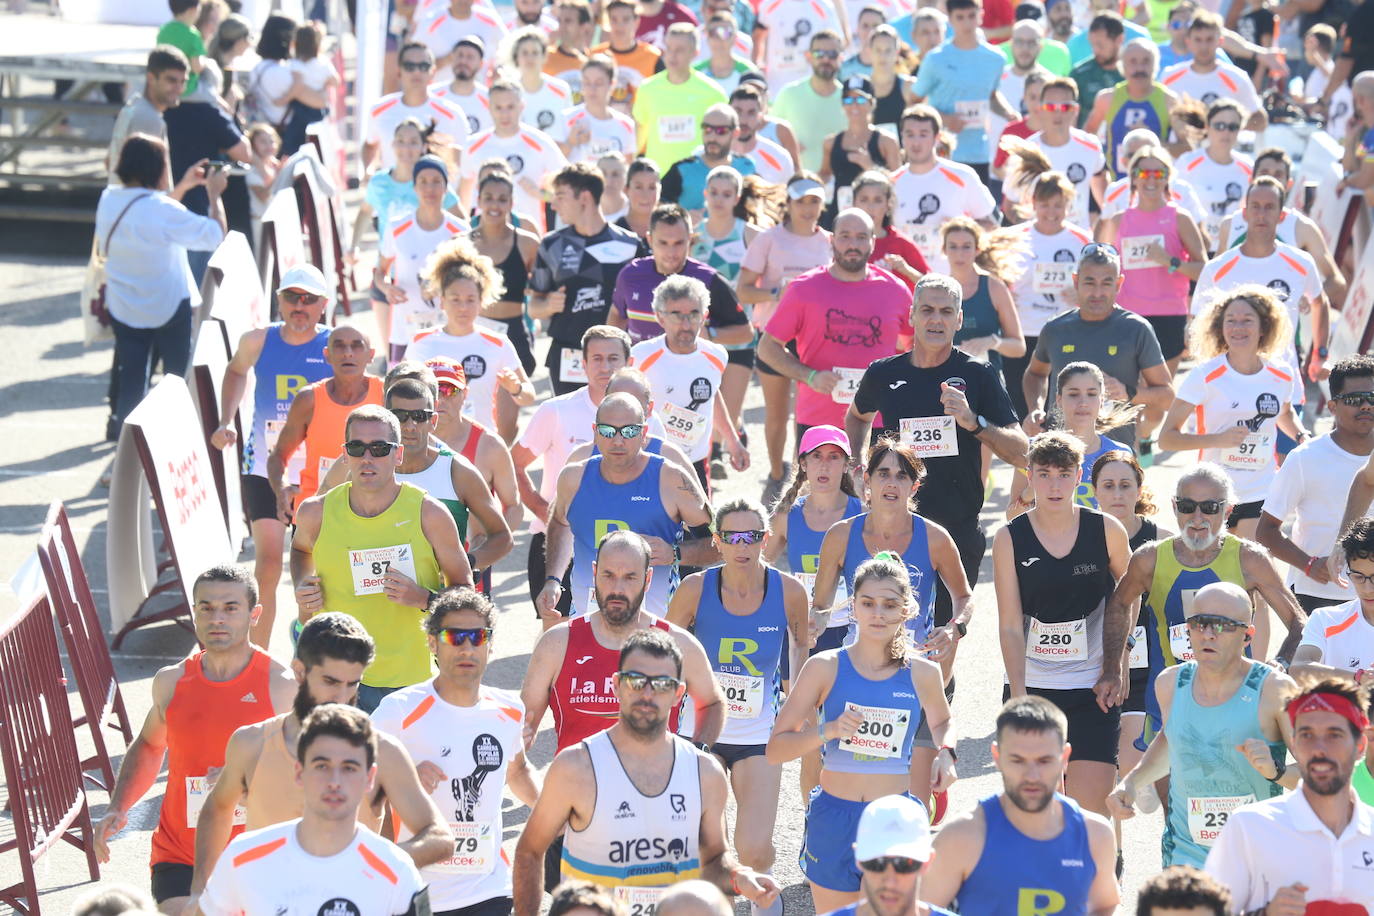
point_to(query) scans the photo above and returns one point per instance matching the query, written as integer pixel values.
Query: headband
(1328, 702)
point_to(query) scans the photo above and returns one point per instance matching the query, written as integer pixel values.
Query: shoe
(939, 806)
(718, 471)
(1146, 454)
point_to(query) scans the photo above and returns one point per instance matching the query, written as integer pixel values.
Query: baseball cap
(1029, 9)
(448, 370)
(817, 436)
(893, 825)
(472, 41)
(857, 87)
(306, 278)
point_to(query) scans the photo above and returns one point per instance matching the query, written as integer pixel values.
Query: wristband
(810, 376)
(953, 754)
(1307, 570)
(1279, 769)
(555, 580)
(734, 884)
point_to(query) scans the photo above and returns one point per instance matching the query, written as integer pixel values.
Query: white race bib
(1140, 653)
(677, 128)
(197, 788)
(684, 427)
(1179, 643)
(423, 319)
(848, 385)
(639, 901)
(474, 850)
(931, 437)
(369, 566)
(1254, 454)
(974, 111)
(844, 197)
(325, 464)
(882, 732)
(1052, 278)
(1135, 251)
(1206, 816)
(925, 237)
(272, 432)
(1057, 642)
(570, 368)
(743, 694)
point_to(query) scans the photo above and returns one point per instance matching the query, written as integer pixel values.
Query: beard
(619, 616)
(1015, 797)
(303, 703)
(1330, 785)
(851, 261)
(1198, 544)
(642, 720)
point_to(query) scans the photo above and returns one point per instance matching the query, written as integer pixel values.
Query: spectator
(181, 33)
(314, 76)
(231, 41)
(271, 82)
(163, 81)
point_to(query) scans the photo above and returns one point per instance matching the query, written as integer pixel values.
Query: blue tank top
(1020, 876)
(919, 568)
(746, 652)
(892, 714)
(282, 369)
(1085, 495)
(1126, 114)
(601, 507)
(804, 548)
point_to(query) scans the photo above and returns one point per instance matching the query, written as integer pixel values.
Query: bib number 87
(876, 729)
(380, 569)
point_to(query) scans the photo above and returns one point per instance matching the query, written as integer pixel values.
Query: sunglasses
(719, 130)
(416, 66)
(659, 683)
(1216, 623)
(900, 864)
(857, 100)
(448, 391)
(1356, 398)
(406, 416)
(1227, 127)
(457, 636)
(378, 449)
(1189, 506)
(1151, 174)
(741, 538)
(1058, 106)
(1177, 23)
(628, 431)
(826, 55)
(294, 296)
(1098, 250)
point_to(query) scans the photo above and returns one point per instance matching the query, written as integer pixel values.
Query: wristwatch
(982, 426)
(1323, 352)
(961, 628)
(1174, 264)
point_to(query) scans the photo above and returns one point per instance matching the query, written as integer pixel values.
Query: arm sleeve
(619, 294)
(538, 435)
(220, 897)
(1285, 490)
(541, 278)
(925, 80)
(1227, 863)
(1148, 351)
(756, 255)
(993, 402)
(724, 309)
(1042, 346)
(189, 230)
(979, 200)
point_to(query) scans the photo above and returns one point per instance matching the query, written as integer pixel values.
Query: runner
(484, 451)
(1182, 890)
(643, 808)
(260, 759)
(992, 325)
(318, 415)
(1137, 102)
(773, 162)
(1338, 640)
(685, 181)
(1208, 79)
(545, 98)
(329, 863)
(873, 193)
(1027, 848)
(465, 91)
(644, 493)
(1054, 569)
(1225, 732)
(641, 197)
(197, 704)
(1217, 174)
(630, 380)
(283, 358)
(533, 156)
(345, 554)
(635, 60)
(892, 848)
(415, 61)
(781, 37)
(669, 107)
(1118, 196)
(441, 28)
(812, 104)
(742, 611)
(1076, 153)
(449, 724)
(855, 148)
(593, 128)
(874, 697)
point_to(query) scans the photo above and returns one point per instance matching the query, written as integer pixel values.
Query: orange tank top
(325, 436)
(200, 718)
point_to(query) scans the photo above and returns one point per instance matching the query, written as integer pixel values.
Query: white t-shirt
(473, 746)
(1079, 159)
(483, 354)
(1047, 263)
(613, 134)
(530, 154)
(1118, 199)
(790, 23)
(925, 201)
(441, 32)
(1220, 187)
(270, 80)
(684, 387)
(475, 107)
(267, 871)
(1224, 398)
(1226, 81)
(1344, 636)
(1289, 272)
(409, 246)
(392, 110)
(557, 426)
(544, 107)
(771, 161)
(1287, 229)
(1310, 488)
(315, 73)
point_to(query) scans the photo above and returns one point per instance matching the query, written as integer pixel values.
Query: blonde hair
(1206, 335)
(1151, 151)
(458, 259)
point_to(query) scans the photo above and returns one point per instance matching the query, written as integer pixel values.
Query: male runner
(893, 849)
(260, 759)
(643, 808)
(323, 862)
(283, 357)
(532, 155)
(467, 92)
(1219, 754)
(1028, 848)
(197, 704)
(415, 100)
(466, 737)
(632, 381)
(1137, 102)
(1339, 639)
(1076, 153)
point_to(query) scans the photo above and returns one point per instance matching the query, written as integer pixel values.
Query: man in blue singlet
(1137, 101)
(283, 357)
(1027, 849)
(892, 847)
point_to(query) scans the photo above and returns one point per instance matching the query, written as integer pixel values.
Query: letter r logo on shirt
(288, 385)
(737, 651)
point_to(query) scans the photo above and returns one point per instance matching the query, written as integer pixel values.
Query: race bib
(844, 197)
(841, 589)
(639, 901)
(684, 427)
(474, 850)
(1057, 642)
(931, 437)
(1052, 278)
(369, 566)
(743, 694)
(848, 385)
(925, 238)
(1140, 653)
(1135, 251)
(197, 788)
(423, 319)
(1254, 454)
(1206, 816)
(730, 252)
(325, 464)
(973, 111)
(1179, 643)
(880, 734)
(272, 432)
(677, 128)
(570, 368)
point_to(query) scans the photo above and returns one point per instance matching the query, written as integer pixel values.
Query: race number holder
(150, 581)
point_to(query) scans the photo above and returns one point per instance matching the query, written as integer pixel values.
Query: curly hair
(458, 259)
(1206, 337)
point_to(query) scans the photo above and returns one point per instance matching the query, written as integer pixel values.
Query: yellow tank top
(352, 555)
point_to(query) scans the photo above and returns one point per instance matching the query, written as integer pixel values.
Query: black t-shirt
(196, 131)
(1359, 37)
(1257, 27)
(585, 268)
(952, 494)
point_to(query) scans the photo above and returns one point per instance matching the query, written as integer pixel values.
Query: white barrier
(282, 245)
(209, 362)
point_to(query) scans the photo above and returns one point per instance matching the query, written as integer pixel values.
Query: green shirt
(813, 118)
(1363, 782)
(1054, 56)
(1091, 78)
(668, 115)
(187, 40)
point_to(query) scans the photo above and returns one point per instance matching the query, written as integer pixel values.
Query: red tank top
(475, 433)
(200, 718)
(583, 697)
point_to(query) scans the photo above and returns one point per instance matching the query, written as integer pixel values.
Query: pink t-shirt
(839, 325)
(778, 255)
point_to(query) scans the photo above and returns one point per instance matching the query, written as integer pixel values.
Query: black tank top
(846, 171)
(889, 108)
(1057, 589)
(514, 274)
(1148, 532)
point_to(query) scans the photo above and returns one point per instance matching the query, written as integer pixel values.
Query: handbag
(96, 314)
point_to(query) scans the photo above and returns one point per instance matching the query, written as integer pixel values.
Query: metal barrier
(38, 750)
(70, 595)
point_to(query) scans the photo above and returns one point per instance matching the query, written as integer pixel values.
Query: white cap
(893, 825)
(307, 278)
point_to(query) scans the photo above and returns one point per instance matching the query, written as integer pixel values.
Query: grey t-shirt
(138, 116)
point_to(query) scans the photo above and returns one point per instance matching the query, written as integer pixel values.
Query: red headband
(1328, 702)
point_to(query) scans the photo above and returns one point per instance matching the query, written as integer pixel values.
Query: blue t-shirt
(1080, 49)
(685, 182)
(1168, 57)
(950, 76)
(390, 198)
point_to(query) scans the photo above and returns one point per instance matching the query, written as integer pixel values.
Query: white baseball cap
(306, 278)
(893, 825)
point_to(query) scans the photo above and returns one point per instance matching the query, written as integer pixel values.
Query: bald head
(349, 332)
(619, 409)
(860, 218)
(1363, 84)
(632, 382)
(694, 898)
(1226, 599)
